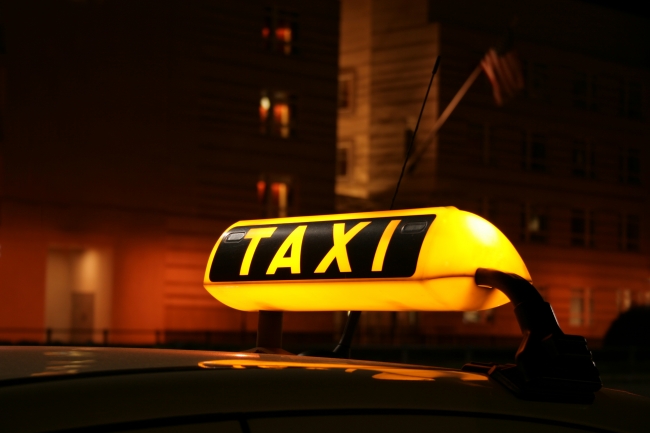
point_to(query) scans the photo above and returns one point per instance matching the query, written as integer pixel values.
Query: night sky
(629, 6)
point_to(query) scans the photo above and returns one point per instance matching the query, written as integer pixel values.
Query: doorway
(78, 294)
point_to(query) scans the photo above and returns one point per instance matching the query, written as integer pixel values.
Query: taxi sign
(403, 260)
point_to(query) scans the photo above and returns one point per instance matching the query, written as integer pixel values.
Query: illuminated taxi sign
(418, 259)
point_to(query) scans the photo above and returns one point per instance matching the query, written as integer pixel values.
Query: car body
(435, 259)
(72, 389)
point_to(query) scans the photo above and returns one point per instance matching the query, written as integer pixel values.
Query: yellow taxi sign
(404, 260)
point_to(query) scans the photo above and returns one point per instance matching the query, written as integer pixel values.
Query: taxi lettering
(293, 242)
(339, 251)
(379, 247)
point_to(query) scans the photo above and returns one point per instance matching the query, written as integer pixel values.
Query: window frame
(276, 18)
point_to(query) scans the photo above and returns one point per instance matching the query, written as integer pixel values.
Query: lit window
(471, 317)
(580, 307)
(276, 114)
(534, 152)
(623, 300)
(534, 221)
(275, 196)
(280, 30)
(280, 196)
(265, 106)
(480, 317)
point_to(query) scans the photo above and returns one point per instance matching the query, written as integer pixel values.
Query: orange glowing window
(481, 317)
(577, 310)
(623, 299)
(281, 118)
(280, 195)
(276, 114)
(283, 38)
(275, 196)
(280, 30)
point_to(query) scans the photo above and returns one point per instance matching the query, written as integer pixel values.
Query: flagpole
(445, 114)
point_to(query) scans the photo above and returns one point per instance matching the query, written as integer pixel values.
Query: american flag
(505, 74)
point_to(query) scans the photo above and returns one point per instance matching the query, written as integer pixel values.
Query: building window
(629, 166)
(534, 223)
(3, 82)
(3, 49)
(630, 99)
(582, 159)
(3, 100)
(280, 31)
(623, 300)
(277, 112)
(346, 92)
(534, 152)
(479, 317)
(629, 233)
(275, 195)
(479, 138)
(536, 75)
(344, 159)
(645, 298)
(634, 100)
(487, 208)
(585, 92)
(582, 234)
(580, 307)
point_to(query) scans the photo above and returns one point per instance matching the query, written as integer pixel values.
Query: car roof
(128, 384)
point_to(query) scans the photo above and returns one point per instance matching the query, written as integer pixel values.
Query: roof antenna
(343, 349)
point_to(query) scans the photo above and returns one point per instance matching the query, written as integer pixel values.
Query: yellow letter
(380, 254)
(293, 241)
(339, 251)
(255, 235)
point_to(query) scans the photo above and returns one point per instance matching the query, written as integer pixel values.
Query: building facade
(561, 169)
(133, 134)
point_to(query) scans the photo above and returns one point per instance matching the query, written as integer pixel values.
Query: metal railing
(164, 337)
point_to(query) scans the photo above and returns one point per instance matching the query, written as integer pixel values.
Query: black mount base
(550, 365)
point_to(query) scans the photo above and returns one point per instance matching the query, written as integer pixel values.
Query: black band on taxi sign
(345, 249)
